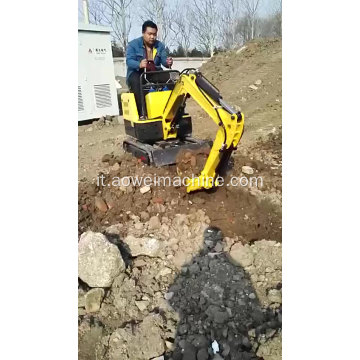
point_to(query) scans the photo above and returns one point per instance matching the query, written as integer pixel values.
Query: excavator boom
(231, 124)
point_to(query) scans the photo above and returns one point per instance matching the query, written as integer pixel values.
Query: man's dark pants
(134, 85)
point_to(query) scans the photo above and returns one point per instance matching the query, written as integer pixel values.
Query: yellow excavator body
(166, 123)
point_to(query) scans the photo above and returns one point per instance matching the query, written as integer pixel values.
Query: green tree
(180, 51)
(195, 53)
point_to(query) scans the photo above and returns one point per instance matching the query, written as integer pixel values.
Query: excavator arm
(231, 124)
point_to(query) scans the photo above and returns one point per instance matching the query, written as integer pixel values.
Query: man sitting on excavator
(147, 53)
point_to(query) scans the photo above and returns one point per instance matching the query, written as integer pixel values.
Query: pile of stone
(161, 288)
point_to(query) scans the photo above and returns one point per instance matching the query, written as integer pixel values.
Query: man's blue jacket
(136, 52)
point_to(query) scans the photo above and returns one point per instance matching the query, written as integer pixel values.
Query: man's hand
(143, 63)
(169, 61)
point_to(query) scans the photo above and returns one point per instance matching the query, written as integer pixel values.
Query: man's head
(149, 30)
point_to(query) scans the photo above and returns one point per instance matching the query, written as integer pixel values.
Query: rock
(177, 355)
(254, 191)
(169, 345)
(274, 296)
(81, 311)
(154, 223)
(114, 229)
(119, 119)
(144, 216)
(246, 342)
(110, 204)
(139, 263)
(194, 268)
(202, 354)
(90, 336)
(252, 296)
(99, 261)
(81, 299)
(118, 159)
(168, 295)
(158, 208)
(157, 200)
(241, 255)
(115, 167)
(199, 201)
(107, 157)
(258, 82)
(101, 204)
(145, 189)
(139, 342)
(183, 329)
(180, 220)
(218, 247)
(89, 129)
(93, 299)
(180, 259)
(212, 234)
(142, 305)
(247, 170)
(100, 123)
(237, 108)
(163, 272)
(200, 341)
(253, 87)
(270, 333)
(217, 357)
(184, 270)
(188, 350)
(226, 350)
(142, 246)
(271, 349)
(209, 243)
(129, 189)
(216, 314)
(139, 226)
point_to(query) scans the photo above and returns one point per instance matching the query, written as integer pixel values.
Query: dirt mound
(252, 212)
(248, 78)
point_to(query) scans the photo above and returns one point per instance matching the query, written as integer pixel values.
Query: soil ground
(250, 79)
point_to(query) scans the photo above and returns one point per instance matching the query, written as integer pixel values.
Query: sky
(266, 7)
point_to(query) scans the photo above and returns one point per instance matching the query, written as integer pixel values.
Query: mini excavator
(166, 129)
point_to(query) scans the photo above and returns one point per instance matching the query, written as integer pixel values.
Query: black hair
(148, 23)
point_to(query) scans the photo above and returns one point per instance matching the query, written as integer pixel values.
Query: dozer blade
(163, 153)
